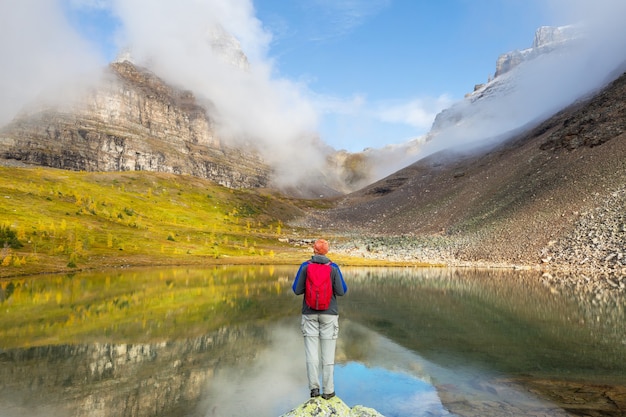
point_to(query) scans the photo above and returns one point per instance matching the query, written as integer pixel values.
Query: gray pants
(320, 331)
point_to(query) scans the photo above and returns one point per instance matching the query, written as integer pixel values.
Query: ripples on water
(225, 341)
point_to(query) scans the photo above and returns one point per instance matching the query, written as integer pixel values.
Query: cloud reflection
(391, 393)
(271, 383)
(385, 376)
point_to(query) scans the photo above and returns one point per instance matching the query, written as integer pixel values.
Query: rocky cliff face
(529, 85)
(132, 121)
(547, 39)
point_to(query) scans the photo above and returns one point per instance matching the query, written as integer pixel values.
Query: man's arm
(339, 285)
(298, 282)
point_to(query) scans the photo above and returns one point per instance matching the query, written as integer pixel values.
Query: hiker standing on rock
(320, 281)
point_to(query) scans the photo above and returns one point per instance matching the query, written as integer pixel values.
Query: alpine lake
(226, 341)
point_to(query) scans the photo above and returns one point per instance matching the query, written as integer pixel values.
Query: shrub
(8, 237)
(72, 261)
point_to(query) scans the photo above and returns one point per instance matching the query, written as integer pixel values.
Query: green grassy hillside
(57, 220)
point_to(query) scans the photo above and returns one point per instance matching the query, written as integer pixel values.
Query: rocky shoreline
(592, 256)
(597, 244)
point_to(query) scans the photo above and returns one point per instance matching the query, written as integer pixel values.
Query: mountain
(547, 40)
(131, 120)
(513, 174)
(553, 194)
(134, 120)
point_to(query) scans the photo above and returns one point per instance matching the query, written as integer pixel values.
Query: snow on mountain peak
(564, 64)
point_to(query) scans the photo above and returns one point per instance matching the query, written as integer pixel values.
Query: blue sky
(397, 49)
(376, 72)
(401, 61)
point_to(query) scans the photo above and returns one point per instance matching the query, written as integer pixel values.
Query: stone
(333, 407)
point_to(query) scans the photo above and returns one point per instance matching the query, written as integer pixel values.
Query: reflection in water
(104, 380)
(225, 341)
(385, 376)
(267, 384)
(275, 381)
(138, 305)
(505, 321)
(390, 393)
(400, 383)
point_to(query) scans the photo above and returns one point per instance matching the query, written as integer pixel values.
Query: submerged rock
(334, 407)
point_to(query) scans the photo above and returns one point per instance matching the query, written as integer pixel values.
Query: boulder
(333, 407)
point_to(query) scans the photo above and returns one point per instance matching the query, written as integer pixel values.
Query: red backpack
(319, 288)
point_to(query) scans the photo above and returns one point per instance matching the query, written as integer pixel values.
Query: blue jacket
(339, 285)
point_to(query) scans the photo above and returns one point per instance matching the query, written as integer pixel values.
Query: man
(320, 316)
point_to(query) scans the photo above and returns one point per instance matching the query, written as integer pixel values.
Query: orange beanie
(320, 247)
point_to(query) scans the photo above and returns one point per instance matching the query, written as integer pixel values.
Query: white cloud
(418, 113)
(355, 123)
(39, 51)
(90, 4)
(174, 39)
(339, 105)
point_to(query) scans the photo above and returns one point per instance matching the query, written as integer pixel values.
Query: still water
(225, 341)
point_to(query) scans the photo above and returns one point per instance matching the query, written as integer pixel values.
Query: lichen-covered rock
(334, 407)
(360, 411)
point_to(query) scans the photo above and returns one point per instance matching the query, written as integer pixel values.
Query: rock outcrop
(132, 121)
(333, 407)
(477, 107)
(547, 39)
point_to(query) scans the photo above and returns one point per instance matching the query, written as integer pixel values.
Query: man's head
(320, 247)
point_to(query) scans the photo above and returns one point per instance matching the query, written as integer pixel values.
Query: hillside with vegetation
(55, 220)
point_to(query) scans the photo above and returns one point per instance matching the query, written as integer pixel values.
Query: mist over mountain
(224, 64)
(563, 65)
(552, 195)
(528, 169)
(249, 106)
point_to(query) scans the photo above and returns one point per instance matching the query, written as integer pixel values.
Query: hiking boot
(315, 392)
(328, 396)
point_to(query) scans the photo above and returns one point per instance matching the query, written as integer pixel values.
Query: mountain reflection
(102, 379)
(504, 320)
